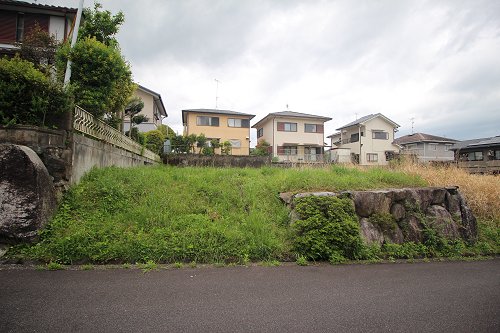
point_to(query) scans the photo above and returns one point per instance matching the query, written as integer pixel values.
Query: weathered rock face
(27, 195)
(412, 210)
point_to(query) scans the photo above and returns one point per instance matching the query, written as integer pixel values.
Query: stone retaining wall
(222, 161)
(401, 215)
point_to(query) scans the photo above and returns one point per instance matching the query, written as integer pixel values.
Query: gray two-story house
(426, 147)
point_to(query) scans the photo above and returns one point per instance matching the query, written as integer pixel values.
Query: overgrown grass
(180, 215)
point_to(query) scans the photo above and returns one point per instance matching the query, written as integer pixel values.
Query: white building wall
(56, 27)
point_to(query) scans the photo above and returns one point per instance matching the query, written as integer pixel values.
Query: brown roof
(422, 137)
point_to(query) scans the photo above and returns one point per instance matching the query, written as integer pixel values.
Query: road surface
(419, 297)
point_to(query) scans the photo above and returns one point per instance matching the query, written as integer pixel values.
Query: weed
(219, 264)
(385, 221)
(54, 266)
(148, 266)
(178, 265)
(192, 264)
(126, 266)
(337, 258)
(270, 263)
(87, 267)
(301, 261)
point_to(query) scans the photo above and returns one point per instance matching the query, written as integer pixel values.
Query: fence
(87, 124)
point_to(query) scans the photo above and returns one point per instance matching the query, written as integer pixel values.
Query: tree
(262, 148)
(39, 47)
(167, 131)
(101, 25)
(101, 78)
(154, 141)
(225, 148)
(132, 110)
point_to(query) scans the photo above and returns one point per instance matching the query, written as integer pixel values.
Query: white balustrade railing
(87, 124)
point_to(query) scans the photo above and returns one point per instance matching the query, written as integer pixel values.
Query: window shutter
(8, 27)
(319, 128)
(281, 150)
(245, 123)
(30, 21)
(215, 121)
(281, 126)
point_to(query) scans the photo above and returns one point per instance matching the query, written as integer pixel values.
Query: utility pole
(67, 75)
(216, 92)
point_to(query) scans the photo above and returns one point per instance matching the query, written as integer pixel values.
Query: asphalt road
(420, 297)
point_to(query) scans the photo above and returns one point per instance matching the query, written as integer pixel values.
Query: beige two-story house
(153, 109)
(369, 140)
(222, 125)
(293, 136)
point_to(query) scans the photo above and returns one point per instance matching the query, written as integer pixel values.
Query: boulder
(368, 203)
(394, 236)
(398, 211)
(468, 228)
(412, 229)
(439, 219)
(27, 195)
(370, 233)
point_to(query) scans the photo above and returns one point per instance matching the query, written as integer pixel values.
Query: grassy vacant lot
(204, 215)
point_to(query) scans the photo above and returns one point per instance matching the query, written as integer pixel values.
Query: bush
(154, 141)
(29, 97)
(328, 229)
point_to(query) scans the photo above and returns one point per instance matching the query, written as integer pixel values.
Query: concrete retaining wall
(223, 161)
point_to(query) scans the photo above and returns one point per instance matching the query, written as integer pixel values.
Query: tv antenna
(412, 121)
(216, 92)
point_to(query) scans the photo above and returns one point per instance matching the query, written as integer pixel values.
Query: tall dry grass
(482, 192)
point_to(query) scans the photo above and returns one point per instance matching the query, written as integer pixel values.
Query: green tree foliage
(154, 141)
(39, 47)
(225, 148)
(166, 131)
(27, 96)
(262, 148)
(101, 78)
(101, 25)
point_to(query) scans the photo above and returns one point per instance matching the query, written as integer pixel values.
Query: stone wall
(223, 161)
(401, 215)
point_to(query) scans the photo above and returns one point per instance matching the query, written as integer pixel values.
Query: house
(154, 110)
(478, 155)
(426, 147)
(293, 136)
(17, 18)
(368, 139)
(336, 154)
(222, 125)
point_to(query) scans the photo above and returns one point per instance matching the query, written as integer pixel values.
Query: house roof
(292, 115)
(367, 118)
(334, 134)
(215, 111)
(422, 137)
(477, 143)
(49, 9)
(157, 99)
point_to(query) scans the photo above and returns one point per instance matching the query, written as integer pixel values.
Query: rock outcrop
(27, 195)
(401, 215)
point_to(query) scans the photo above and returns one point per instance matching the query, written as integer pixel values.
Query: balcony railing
(87, 124)
(302, 158)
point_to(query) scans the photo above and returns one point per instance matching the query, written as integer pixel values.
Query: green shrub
(154, 141)
(28, 97)
(301, 261)
(327, 227)
(385, 221)
(407, 250)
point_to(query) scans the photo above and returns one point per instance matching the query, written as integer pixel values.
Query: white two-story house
(368, 140)
(293, 136)
(154, 110)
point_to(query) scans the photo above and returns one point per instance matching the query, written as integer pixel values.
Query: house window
(287, 150)
(433, 146)
(207, 121)
(20, 27)
(260, 132)
(287, 127)
(411, 146)
(235, 143)
(497, 155)
(313, 128)
(354, 137)
(447, 147)
(475, 156)
(380, 135)
(372, 157)
(235, 122)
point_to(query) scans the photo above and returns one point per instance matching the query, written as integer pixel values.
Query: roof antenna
(216, 92)
(287, 106)
(412, 121)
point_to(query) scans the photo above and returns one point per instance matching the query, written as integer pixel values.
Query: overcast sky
(436, 62)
